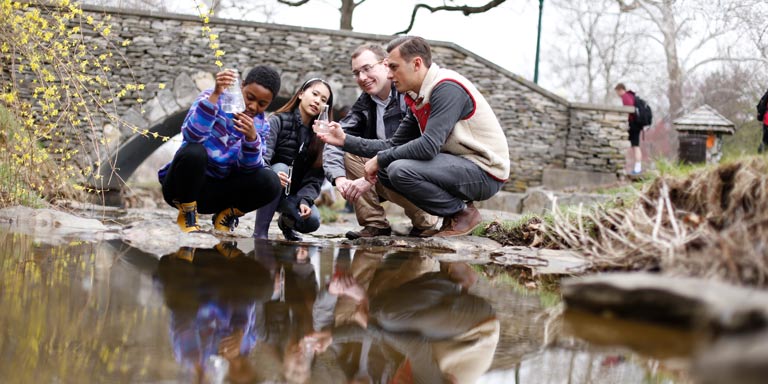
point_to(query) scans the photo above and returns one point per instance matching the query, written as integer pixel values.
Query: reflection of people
(448, 151)
(288, 316)
(295, 155)
(426, 330)
(219, 168)
(635, 128)
(215, 301)
(375, 115)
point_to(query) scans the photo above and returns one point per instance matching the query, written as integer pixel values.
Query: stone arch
(162, 115)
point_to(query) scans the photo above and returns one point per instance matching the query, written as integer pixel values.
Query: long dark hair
(293, 103)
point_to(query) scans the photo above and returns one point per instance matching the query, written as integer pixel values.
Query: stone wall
(597, 138)
(543, 130)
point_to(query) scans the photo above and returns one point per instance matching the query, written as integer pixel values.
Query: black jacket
(292, 143)
(361, 122)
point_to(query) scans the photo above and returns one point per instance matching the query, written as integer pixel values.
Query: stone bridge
(543, 130)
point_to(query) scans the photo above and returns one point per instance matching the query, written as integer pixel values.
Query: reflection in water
(405, 318)
(265, 312)
(71, 314)
(215, 298)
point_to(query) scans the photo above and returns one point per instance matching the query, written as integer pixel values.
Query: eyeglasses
(365, 69)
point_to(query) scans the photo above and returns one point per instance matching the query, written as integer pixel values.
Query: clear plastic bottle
(232, 98)
(322, 121)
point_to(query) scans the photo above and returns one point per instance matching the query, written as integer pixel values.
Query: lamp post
(538, 44)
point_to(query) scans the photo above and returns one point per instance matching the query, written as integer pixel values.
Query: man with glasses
(448, 151)
(375, 115)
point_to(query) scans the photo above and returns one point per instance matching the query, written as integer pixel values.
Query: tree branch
(465, 9)
(624, 7)
(293, 3)
(727, 59)
(359, 2)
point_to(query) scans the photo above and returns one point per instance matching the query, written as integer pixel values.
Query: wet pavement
(88, 311)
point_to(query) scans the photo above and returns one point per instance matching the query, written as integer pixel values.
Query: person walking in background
(628, 99)
(762, 117)
(375, 115)
(448, 151)
(219, 167)
(295, 155)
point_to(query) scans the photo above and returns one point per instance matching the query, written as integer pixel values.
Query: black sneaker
(761, 148)
(287, 229)
(369, 232)
(417, 232)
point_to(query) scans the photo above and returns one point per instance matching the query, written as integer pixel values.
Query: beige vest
(478, 138)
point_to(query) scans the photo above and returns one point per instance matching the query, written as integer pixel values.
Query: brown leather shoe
(461, 223)
(369, 232)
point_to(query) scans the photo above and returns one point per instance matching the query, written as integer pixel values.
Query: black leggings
(186, 182)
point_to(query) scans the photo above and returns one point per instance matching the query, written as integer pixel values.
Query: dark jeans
(439, 186)
(287, 206)
(186, 182)
(765, 135)
(431, 306)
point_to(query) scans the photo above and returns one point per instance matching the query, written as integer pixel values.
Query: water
(103, 312)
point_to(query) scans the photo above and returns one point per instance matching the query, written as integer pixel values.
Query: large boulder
(51, 226)
(742, 359)
(675, 301)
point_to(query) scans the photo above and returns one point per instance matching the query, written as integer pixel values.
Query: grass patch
(482, 229)
(675, 169)
(744, 141)
(328, 214)
(520, 281)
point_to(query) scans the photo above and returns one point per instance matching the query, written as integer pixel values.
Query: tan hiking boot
(227, 220)
(187, 218)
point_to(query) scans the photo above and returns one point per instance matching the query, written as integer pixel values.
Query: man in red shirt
(628, 98)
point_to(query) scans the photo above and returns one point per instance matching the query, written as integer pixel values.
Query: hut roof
(704, 118)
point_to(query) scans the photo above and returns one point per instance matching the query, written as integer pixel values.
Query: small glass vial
(290, 175)
(216, 368)
(232, 98)
(322, 121)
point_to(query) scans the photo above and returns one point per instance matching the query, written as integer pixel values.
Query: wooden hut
(700, 135)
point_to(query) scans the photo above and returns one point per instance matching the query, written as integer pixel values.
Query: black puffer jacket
(292, 143)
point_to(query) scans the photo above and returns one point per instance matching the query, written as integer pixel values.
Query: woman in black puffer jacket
(295, 154)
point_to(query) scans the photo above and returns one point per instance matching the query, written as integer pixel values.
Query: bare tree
(347, 10)
(597, 49)
(753, 24)
(674, 22)
(465, 9)
(348, 7)
(732, 90)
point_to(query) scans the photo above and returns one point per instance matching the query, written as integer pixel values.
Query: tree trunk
(347, 10)
(674, 71)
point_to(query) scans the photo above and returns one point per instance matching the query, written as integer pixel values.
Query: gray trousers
(440, 186)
